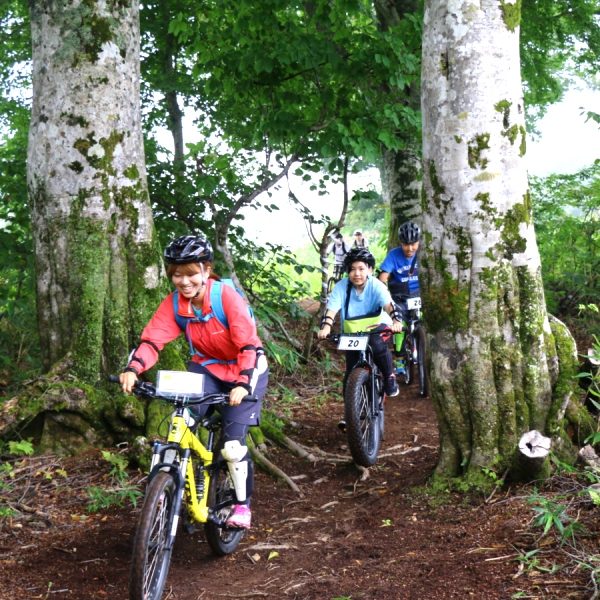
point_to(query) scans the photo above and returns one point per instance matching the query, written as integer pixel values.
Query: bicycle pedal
(189, 528)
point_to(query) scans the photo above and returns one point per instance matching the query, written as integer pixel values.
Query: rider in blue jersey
(365, 305)
(400, 271)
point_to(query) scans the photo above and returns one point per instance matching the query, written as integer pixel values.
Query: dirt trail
(384, 538)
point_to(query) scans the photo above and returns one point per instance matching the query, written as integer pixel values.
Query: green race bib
(362, 323)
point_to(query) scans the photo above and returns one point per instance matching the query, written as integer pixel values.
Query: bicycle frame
(183, 441)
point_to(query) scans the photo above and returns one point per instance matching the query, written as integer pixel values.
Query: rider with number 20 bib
(361, 298)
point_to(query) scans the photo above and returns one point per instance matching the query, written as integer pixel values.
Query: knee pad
(233, 452)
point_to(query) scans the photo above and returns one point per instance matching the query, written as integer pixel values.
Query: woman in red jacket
(230, 356)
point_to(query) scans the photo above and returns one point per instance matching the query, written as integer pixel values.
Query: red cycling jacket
(240, 342)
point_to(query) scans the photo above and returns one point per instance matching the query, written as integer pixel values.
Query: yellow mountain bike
(200, 491)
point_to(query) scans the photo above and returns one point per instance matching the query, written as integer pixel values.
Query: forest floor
(388, 537)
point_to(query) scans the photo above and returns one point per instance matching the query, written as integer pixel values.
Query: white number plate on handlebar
(413, 303)
(353, 342)
(179, 383)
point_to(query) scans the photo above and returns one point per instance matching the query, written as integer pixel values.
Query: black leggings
(381, 354)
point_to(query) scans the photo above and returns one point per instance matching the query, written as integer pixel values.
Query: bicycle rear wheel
(151, 558)
(421, 362)
(363, 427)
(222, 541)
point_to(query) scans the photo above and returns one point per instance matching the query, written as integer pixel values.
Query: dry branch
(257, 456)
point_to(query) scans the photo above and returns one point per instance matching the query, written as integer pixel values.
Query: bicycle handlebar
(143, 388)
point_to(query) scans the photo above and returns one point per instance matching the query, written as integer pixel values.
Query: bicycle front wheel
(222, 541)
(151, 557)
(330, 284)
(363, 427)
(421, 362)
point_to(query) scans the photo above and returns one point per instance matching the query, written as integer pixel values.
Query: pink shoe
(240, 517)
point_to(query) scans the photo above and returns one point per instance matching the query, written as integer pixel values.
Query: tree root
(268, 466)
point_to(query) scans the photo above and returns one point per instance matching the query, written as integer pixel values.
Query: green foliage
(101, 498)
(566, 211)
(551, 514)
(274, 74)
(282, 355)
(560, 40)
(21, 447)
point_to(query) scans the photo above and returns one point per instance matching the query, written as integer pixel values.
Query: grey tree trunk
(99, 276)
(400, 169)
(493, 356)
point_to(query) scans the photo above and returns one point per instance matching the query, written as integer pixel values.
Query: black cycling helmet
(189, 249)
(408, 233)
(357, 232)
(358, 254)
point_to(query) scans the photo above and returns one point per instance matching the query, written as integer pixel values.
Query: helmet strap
(203, 281)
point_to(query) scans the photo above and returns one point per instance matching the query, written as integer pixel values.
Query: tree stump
(534, 449)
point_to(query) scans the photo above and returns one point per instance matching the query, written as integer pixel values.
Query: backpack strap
(216, 303)
(185, 322)
(412, 264)
(347, 304)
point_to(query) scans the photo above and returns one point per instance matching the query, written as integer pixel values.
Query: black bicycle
(414, 347)
(199, 492)
(338, 274)
(364, 399)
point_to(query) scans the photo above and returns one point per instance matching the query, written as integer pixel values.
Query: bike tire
(381, 418)
(422, 362)
(151, 560)
(330, 285)
(408, 363)
(221, 541)
(362, 426)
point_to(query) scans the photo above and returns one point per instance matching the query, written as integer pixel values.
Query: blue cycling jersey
(373, 297)
(398, 266)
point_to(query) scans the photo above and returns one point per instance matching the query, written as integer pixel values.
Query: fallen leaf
(256, 557)
(273, 555)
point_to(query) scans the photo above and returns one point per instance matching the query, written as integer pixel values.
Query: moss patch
(480, 142)
(446, 306)
(504, 107)
(511, 13)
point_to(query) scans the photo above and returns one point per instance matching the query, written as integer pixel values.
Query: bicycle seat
(210, 421)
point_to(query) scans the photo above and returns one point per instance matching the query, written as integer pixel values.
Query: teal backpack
(216, 303)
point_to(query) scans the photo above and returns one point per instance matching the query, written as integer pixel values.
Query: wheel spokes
(156, 545)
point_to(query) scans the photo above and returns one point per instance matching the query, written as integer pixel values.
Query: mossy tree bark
(496, 369)
(400, 169)
(99, 276)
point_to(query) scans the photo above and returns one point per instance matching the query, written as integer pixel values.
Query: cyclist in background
(339, 249)
(231, 357)
(359, 240)
(400, 271)
(360, 298)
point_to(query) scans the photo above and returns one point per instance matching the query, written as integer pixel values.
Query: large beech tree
(98, 269)
(498, 368)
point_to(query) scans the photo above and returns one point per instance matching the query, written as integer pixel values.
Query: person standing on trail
(339, 249)
(360, 298)
(400, 271)
(360, 241)
(229, 354)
